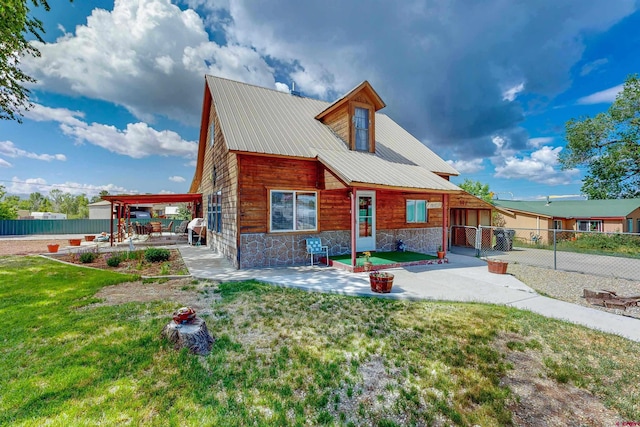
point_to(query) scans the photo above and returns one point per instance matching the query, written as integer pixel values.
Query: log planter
(381, 282)
(497, 266)
(53, 248)
(192, 335)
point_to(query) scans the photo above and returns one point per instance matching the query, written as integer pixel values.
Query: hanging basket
(381, 282)
(497, 266)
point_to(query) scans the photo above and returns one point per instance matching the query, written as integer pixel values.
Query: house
(276, 168)
(613, 215)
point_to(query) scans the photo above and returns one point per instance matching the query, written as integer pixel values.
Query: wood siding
(391, 210)
(338, 121)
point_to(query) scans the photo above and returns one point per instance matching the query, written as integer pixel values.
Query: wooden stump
(193, 335)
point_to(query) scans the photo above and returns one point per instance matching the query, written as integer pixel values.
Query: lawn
(383, 258)
(281, 357)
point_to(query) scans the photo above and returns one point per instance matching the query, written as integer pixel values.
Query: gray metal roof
(259, 120)
(574, 208)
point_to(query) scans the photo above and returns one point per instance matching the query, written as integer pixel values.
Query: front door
(366, 221)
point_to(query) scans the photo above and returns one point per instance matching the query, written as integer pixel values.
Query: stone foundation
(282, 250)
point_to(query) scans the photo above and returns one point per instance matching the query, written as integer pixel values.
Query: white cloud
(467, 166)
(511, 93)
(40, 185)
(593, 66)
(138, 140)
(5, 164)
(9, 149)
(146, 55)
(282, 87)
(603, 97)
(538, 142)
(176, 178)
(541, 166)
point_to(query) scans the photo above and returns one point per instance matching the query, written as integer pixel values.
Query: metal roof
(574, 208)
(259, 120)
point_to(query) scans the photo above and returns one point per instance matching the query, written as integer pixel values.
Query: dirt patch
(540, 401)
(28, 247)
(198, 294)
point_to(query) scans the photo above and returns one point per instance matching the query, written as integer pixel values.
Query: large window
(557, 224)
(417, 211)
(214, 212)
(293, 210)
(361, 122)
(595, 225)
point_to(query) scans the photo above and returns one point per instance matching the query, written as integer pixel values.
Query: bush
(87, 257)
(114, 260)
(156, 255)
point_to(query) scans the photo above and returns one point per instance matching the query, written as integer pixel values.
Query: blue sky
(486, 85)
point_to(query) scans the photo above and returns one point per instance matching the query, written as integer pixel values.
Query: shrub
(156, 255)
(114, 260)
(87, 257)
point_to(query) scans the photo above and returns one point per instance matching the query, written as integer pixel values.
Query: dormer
(353, 117)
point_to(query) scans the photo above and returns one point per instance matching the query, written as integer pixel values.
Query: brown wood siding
(467, 201)
(391, 210)
(338, 121)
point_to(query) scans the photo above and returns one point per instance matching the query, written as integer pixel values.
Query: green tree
(7, 207)
(36, 202)
(98, 198)
(608, 146)
(56, 198)
(478, 189)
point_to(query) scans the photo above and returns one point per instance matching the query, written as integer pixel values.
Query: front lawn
(281, 357)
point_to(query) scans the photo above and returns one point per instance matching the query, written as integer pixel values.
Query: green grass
(382, 258)
(281, 357)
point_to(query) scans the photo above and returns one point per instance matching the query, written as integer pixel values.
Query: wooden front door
(366, 221)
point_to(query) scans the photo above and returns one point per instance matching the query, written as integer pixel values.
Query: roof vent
(294, 92)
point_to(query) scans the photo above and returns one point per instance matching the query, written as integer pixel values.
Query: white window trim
(415, 213)
(295, 211)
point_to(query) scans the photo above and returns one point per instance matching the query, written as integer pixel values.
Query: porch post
(111, 225)
(445, 222)
(353, 227)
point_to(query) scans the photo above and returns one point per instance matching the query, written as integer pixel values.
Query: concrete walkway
(464, 279)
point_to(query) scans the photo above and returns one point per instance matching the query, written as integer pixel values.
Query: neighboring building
(48, 215)
(275, 168)
(613, 215)
(100, 210)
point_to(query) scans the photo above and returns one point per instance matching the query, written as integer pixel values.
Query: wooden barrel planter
(497, 266)
(381, 282)
(75, 242)
(53, 248)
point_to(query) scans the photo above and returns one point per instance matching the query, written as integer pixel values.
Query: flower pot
(74, 242)
(497, 267)
(89, 238)
(381, 282)
(53, 248)
(440, 254)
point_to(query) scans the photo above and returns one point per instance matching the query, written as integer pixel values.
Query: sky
(487, 85)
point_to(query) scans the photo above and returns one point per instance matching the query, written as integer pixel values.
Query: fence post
(478, 241)
(555, 252)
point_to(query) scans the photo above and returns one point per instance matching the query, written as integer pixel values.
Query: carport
(123, 202)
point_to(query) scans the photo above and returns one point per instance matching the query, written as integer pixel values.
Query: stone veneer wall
(281, 250)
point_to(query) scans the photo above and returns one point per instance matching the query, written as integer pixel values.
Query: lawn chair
(181, 230)
(168, 228)
(315, 247)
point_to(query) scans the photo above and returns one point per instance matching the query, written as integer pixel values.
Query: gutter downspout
(353, 227)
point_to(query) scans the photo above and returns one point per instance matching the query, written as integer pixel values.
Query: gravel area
(568, 286)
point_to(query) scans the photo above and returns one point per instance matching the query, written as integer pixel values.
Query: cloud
(540, 166)
(40, 185)
(470, 166)
(606, 96)
(147, 56)
(9, 149)
(593, 66)
(538, 142)
(177, 179)
(5, 164)
(137, 140)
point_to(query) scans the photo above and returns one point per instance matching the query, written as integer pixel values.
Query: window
(557, 224)
(212, 132)
(214, 212)
(361, 124)
(629, 225)
(590, 225)
(293, 210)
(417, 211)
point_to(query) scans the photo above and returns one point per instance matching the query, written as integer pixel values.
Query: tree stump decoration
(191, 334)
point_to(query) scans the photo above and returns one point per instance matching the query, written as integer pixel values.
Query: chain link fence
(590, 252)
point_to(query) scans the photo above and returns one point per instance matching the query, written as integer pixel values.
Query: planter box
(53, 248)
(497, 267)
(381, 282)
(75, 242)
(89, 238)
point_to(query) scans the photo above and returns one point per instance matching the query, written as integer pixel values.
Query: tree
(98, 198)
(608, 146)
(478, 189)
(7, 208)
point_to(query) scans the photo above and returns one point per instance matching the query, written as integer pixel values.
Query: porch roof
(368, 169)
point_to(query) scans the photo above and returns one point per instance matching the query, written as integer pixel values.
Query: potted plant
(381, 282)
(497, 266)
(53, 247)
(440, 252)
(367, 261)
